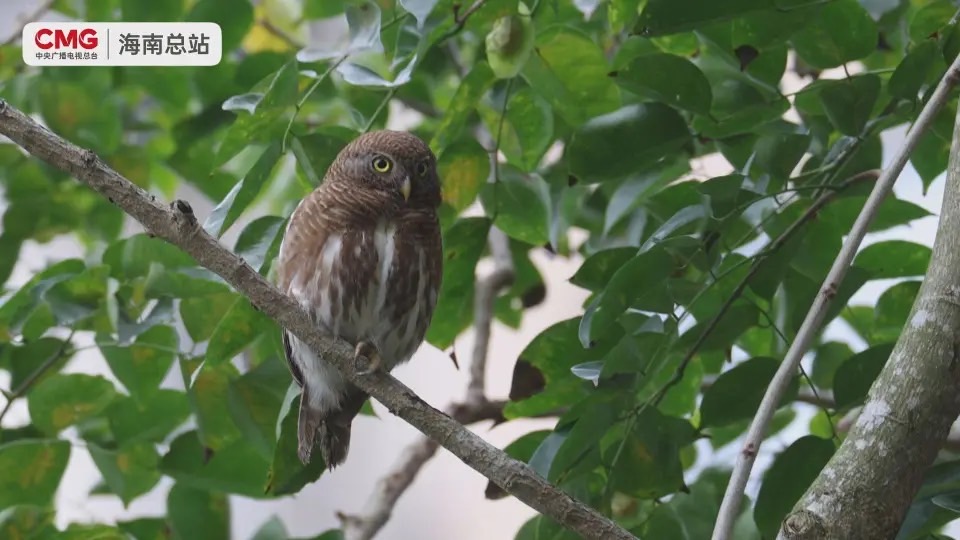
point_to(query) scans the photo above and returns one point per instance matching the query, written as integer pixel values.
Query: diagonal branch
(730, 507)
(475, 408)
(909, 410)
(177, 224)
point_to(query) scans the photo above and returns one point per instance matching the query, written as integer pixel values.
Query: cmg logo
(47, 38)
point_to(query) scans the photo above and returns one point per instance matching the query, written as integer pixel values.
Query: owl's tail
(330, 430)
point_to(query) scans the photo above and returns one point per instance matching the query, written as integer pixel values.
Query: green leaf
(63, 400)
(914, 70)
(542, 459)
(645, 132)
(234, 18)
(778, 154)
(272, 529)
(842, 31)
(464, 167)
(77, 531)
(662, 17)
(236, 468)
(269, 120)
(894, 259)
(316, 151)
(202, 314)
(929, 19)
(667, 78)
(259, 242)
(569, 70)
(208, 398)
(286, 474)
(463, 243)
(243, 193)
(464, 102)
(419, 9)
(736, 394)
(27, 521)
(649, 466)
(583, 438)
(933, 150)
(25, 360)
(598, 269)
(134, 256)
(643, 273)
(142, 366)
(150, 419)
(893, 308)
(741, 316)
(547, 360)
(849, 103)
(30, 471)
(129, 471)
(238, 328)
(787, 479)
(829, 356)
(521, 206)
(855, 376)
(194, 513)
(255, 400)
(527, 128)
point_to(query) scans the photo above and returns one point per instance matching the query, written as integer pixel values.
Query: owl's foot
(366, 358)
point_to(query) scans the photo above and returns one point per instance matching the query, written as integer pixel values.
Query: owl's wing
(291, 363)
(306, 234)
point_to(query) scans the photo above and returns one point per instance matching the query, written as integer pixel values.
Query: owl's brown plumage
(362, 253)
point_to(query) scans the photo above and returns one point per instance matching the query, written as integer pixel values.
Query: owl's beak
(405, 188)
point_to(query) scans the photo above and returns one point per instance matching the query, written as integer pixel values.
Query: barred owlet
(363, 255)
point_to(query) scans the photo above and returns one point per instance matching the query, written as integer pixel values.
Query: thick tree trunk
(866, 488)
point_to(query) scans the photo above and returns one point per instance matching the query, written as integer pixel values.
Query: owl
(363, 255)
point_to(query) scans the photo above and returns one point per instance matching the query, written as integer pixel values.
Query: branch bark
(177, 224)
(909, 410)
(475, 408)
(730, 507)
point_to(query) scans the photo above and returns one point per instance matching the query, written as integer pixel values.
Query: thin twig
(810, 213)
(35, 376)
(383, 103)
(460, 19)
(177, 224)
(483, 309)
(730, 507)
(306, 95)
(273, 29)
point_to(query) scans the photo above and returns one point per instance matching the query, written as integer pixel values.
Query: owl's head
(392, 163)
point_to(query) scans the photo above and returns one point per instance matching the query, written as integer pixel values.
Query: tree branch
(730, 507)
(910, 407)
(475, 408)
(483, 307)
(177, 224)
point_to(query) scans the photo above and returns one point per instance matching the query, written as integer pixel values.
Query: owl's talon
(366, 358)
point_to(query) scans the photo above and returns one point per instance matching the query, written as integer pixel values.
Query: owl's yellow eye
(381, 164)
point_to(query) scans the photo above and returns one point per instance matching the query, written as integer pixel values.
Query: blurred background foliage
(600, 111)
